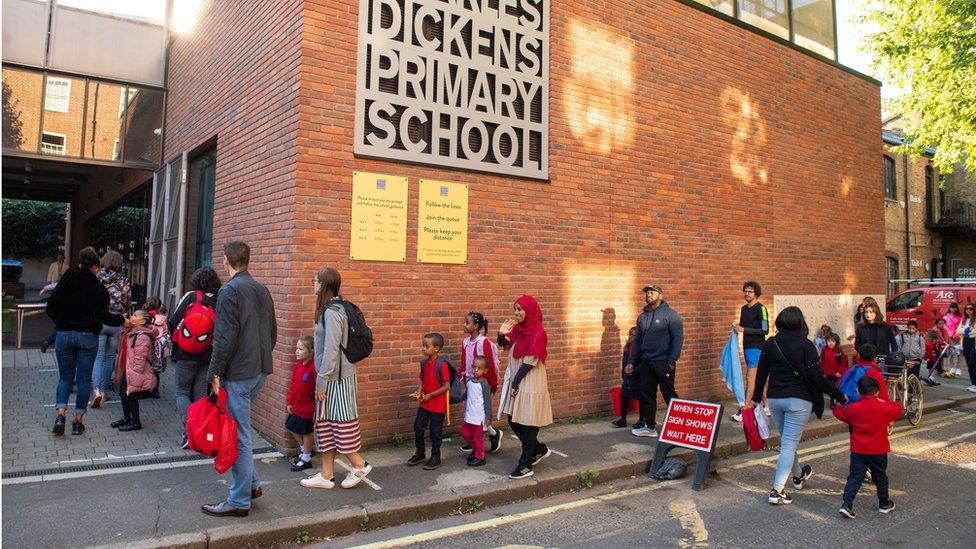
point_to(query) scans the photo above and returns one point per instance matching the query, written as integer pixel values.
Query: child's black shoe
(886, 507)
(432, 463)
(496, 442)
(417, 459)
(619, 423)
(847, 511)
(475, 462)
(58, 428)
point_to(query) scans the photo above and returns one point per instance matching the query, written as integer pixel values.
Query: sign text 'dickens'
(459, 83)
(690, 424)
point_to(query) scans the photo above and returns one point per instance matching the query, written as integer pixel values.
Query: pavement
(29, 378)
(157, 505)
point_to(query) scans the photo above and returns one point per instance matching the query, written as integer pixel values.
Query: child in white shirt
(477, 412)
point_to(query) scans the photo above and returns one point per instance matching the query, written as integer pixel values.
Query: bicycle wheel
(913, 401)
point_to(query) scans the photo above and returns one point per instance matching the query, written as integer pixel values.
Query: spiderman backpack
(194, 334)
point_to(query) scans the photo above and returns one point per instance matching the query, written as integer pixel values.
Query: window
(57, 94)
(53, 143)
(907, 300)
(116, 150)
(891, 188)
(724, 6)
(813, 25)
(125, 99)
(203, 172)
(769, 15)
(930, 195)
(891, 268)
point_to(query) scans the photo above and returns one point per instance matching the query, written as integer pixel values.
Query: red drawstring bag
(227, 452)
(751, 429)
(211, 431)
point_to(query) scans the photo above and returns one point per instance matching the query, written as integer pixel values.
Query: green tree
(928, 49)
(32, 229)
(13, 128)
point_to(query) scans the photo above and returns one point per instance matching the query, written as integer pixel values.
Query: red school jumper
(429, 384)
(833, 362)
(301, 392)
(869, 418)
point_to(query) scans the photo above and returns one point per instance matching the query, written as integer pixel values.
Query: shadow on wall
(748, 137)
(594, 295)
(599, 94)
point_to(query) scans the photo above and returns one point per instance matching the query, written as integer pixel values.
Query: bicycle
(899, 379)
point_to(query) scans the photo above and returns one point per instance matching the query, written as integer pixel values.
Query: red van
(926, 304)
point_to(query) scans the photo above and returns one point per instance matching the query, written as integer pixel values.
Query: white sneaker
(971, 388)
(737, 417)
(644, 432)
(316, 481)
(356, 476)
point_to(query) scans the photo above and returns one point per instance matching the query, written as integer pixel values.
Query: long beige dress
(532, 405)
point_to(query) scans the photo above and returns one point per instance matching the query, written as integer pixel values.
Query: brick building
(662, 141)
(930, 217)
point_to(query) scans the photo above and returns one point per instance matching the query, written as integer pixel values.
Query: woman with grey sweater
(336, 415)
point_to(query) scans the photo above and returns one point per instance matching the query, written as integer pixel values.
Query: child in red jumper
(869, 418)
(833, 361)
(867, 357)
(300, 401)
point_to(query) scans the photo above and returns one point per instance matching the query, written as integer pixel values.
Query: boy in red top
(300, 402)
(869, 418)
(433, 402)
(867, 356)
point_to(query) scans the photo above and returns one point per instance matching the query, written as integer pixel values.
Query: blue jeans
(75, 352)
(790, 416)
(108, 346)
(240, 395)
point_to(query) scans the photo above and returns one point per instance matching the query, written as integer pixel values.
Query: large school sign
(459, 83)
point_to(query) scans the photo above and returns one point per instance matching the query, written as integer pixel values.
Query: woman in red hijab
(525, 394)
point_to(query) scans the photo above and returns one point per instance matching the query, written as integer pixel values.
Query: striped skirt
(338, 436)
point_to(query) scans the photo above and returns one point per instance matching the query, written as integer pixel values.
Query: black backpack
(455, 393)
(359, 343)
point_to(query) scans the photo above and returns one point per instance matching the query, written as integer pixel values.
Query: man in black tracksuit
(656, 349)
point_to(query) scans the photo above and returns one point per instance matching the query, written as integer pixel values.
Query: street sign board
(691, 424)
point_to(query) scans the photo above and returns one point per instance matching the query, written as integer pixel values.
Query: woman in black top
(79, 308)
(790, 364)
(191, 369)
(876, 331)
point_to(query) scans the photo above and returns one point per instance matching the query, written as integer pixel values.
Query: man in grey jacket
(244, 336)
(656, 349)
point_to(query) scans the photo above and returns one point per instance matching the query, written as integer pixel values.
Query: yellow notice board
(442, 227)
(379, 218)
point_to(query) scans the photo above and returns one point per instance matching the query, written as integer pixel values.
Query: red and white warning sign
(691, 424)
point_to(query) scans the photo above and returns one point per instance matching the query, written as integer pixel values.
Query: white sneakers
(737, 417)
(644, 432)
(356, 476)
(352, 479)
(317, 481)
(971, 388)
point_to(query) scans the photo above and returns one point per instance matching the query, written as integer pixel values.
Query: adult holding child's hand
(526, 392)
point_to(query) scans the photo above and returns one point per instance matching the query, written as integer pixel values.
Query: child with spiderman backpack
(192, 327)
(866, 365)
(436, 378)
(475, 345)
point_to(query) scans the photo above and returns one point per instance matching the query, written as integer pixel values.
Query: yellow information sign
(442, 227)
(379, 218)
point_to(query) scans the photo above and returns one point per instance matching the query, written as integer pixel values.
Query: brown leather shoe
(223, 510)
(256, 493)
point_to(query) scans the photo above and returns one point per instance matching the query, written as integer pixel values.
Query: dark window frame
(890, 178)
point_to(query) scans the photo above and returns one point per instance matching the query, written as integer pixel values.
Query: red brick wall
(715, 155)
(235, 77)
